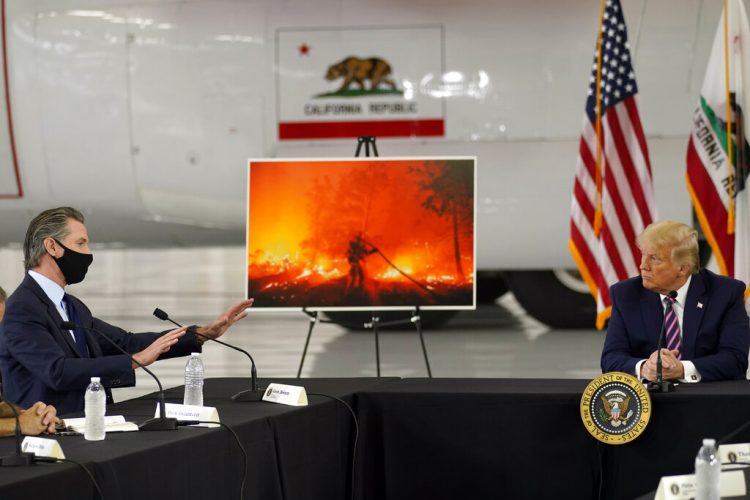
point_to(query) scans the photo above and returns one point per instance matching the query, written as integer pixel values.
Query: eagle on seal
(616, 410)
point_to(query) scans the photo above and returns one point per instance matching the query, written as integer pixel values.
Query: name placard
(42, 447)
(731, 484)
(291, 395)
(190, 412)
(734, 453)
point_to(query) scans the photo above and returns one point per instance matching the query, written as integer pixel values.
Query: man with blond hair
(701, 315)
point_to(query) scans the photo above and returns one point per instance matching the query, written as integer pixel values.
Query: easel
(375, 324)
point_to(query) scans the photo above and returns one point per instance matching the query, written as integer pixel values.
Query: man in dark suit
(707, 332)
(40, 361)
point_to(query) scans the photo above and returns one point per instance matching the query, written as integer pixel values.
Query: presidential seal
(615, 408)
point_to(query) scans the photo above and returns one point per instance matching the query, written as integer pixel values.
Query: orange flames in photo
(361, 233)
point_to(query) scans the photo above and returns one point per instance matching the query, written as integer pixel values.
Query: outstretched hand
(221, 324)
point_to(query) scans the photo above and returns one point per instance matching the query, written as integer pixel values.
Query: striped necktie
(672, 327)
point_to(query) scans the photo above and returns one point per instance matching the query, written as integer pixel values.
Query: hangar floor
(193, 285)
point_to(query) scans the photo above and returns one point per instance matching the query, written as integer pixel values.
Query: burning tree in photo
(361, 233)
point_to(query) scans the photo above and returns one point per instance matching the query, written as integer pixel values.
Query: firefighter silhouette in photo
(357, 252)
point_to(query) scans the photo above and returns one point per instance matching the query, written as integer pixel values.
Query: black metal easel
(375, 324)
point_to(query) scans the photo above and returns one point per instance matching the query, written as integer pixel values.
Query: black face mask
(73, 264)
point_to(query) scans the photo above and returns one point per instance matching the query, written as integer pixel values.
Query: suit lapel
(693, 314)
(653, 315)
(85, 318)
(53, 315)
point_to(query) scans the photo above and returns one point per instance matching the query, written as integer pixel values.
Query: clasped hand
(672, 368)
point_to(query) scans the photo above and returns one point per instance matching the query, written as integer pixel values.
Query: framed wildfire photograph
(362, 233)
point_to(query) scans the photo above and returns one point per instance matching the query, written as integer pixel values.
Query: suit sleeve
(135, 342)
(617, 354)
(731, 357)
(30, 342)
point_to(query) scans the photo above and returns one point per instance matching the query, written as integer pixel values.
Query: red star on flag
(304, 49)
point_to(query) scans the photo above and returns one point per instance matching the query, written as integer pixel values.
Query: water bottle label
(190, 412)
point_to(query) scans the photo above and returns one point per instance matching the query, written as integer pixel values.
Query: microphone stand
(160, 423)
(252, 394)
(18, 458)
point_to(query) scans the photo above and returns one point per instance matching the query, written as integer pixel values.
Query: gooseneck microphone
(252, 394)
(661, 385)
(160, 423)
(18, 458)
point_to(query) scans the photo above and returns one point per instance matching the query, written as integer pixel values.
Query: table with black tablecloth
(419, 438)
(293, 452)
(523, 438)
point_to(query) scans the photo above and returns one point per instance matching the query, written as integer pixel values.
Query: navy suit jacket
(715, 326)
(39, 360)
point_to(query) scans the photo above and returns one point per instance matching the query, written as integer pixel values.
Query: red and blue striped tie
(672, 327)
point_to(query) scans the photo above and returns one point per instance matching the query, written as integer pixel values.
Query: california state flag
(718, 186)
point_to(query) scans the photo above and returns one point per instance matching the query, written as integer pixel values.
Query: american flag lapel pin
(700, 305)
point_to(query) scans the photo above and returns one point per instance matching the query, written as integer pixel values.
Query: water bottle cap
(195, 354)
(709, 442)
(95, 379)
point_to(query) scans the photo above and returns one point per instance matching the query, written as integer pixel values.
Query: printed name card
(731, 484)
(291, 395)
(42, 447)
(190, 412)
(734, 453)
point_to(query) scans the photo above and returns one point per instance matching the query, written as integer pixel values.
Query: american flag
(613, 198)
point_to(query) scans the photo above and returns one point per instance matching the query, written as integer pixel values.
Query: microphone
(18, 458)
(661, 385)
(160, 423)
(252, 394)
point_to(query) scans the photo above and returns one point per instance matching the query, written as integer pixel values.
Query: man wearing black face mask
(42, 362)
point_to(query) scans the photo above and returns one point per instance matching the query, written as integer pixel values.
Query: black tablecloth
(293, 452)
(506, 438)
(419, 438)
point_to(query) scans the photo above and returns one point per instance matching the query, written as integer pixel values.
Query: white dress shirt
(55, 293)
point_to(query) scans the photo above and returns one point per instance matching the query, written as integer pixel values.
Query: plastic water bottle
(194, 380)
(707, 470)
(95, 406)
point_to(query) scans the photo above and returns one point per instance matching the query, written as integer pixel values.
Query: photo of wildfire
(364, 233)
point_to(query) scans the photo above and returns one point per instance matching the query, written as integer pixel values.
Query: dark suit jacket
(39, 360)
(715, 336)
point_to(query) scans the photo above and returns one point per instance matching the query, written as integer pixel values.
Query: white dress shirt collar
(681, 293)
(54, 291)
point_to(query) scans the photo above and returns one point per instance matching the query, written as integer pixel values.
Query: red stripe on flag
(588, 159)
(613, 254)
(635, 122)
(712, 207)
(583, 201)
(624, 221)
(628, 167)
(391, 128)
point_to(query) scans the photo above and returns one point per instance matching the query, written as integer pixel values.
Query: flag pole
(730, 184)
(598, 107)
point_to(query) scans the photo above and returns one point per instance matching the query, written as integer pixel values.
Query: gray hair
(52, 223)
